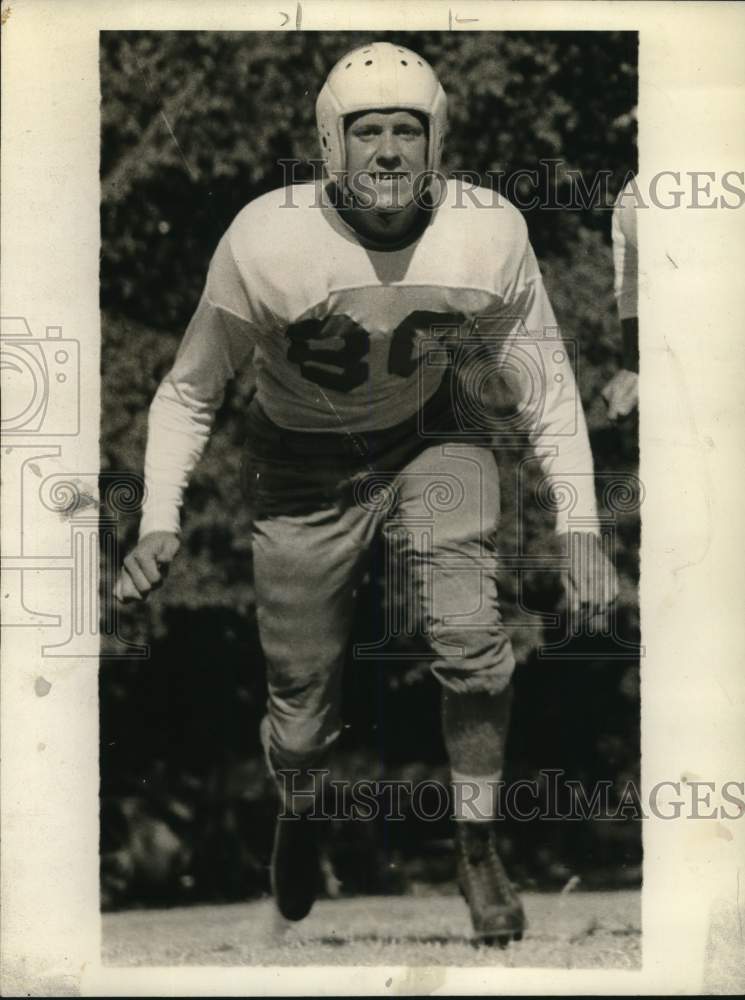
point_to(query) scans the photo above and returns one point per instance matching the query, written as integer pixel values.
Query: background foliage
(194, 125)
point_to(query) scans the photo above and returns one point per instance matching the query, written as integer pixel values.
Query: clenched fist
(622, 394)
(146, 566)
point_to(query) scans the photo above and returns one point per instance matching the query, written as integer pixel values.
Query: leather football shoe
(496, 912)
(296, 865)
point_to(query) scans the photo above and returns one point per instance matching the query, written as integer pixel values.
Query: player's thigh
(306, 568)
(444, 530)
(451, 493)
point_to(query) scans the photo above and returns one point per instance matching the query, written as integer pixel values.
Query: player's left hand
(592, 585)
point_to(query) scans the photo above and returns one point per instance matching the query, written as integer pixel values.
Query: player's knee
(474, 660)
(491, 681)
(301, 743)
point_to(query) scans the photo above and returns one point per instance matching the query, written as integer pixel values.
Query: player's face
(386, 152)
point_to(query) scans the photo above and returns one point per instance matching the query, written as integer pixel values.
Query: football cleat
(497, 914)
(296, 865)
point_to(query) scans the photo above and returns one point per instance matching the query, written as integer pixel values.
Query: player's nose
(388, 155)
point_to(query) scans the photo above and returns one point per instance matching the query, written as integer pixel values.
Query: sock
(475, 731)
(475, 796)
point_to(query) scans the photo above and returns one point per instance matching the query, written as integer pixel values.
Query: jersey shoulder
(293, 197)
(484, 212)
(278, 221)
(483, 230)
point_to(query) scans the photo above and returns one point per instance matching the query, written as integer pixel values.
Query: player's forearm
(561, 444)
(569, 486)
(178, 432)
(216, 344)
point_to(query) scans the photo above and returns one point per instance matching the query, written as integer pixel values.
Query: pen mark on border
(459, 20)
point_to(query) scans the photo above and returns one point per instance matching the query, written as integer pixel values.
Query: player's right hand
(146, 566)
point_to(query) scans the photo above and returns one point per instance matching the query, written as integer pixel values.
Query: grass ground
(571, 930)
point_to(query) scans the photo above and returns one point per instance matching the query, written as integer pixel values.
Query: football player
(339, 294)
(622, 392)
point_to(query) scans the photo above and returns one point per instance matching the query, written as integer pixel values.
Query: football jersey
(342, 334)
